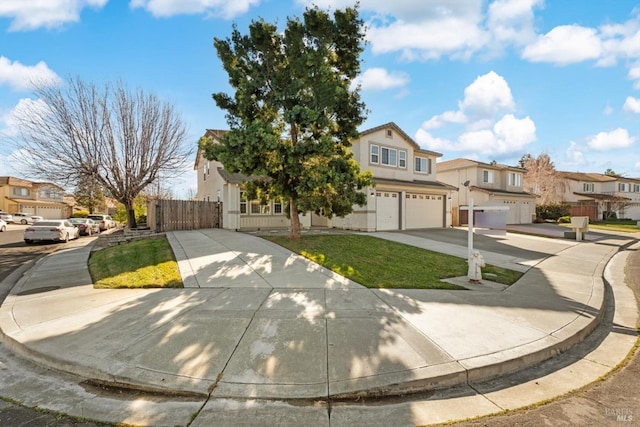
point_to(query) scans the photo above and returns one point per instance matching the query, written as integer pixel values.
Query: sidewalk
(257, 329)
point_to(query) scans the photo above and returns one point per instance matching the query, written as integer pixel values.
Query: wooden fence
(171, 215)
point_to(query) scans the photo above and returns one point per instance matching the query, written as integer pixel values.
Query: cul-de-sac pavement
(261, 335)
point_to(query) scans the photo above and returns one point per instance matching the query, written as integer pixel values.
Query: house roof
(395, 127)
(216, 134)
(502, 192)
(467, 163)
(237, 178)
(587, 177)
(601, 196)
(415, 183)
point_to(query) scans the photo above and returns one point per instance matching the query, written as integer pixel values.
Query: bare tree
(542, 178)
(119, 138)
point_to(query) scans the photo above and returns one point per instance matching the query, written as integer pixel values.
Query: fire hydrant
(476, 262)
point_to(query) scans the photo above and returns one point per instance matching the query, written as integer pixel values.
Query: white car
(26, 218)
(3, 225)
(59, 230)
(6, 217)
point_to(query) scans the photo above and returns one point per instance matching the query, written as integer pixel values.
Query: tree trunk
(295, 219)
(131, 215)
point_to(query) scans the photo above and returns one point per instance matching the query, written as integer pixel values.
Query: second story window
(375, 154)
(20, 191)
(402, 159)
(624, 187)
(487, 177)
(515, 179)
(588, 187)
(423, 165)
(389, 157)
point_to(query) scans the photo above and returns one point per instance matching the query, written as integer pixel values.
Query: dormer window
(389, 133)
(487, 177)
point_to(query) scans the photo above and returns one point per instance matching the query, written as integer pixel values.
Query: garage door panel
(387, 211)
(424, 211)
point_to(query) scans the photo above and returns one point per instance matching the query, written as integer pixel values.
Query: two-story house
(406, 193)
(489, 184)
(38, 198)
(595, 195)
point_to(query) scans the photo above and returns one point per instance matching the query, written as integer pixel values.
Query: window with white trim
(389, 156)
(487, 177)
(375, 153)
(277, 207)
(423, 165)
(588, 187)
(515, 179)
(624, 187)
(402, 159)
(636, 188)
(258, 208)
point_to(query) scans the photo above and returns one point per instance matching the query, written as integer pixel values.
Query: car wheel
(23, 221)
(3, 229)
(28, 242)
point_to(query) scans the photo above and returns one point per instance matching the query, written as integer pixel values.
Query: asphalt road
(596, 405)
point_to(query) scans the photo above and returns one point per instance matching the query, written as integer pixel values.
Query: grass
(148, 263)
(378, 263)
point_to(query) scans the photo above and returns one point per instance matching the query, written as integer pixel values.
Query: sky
(480, 79)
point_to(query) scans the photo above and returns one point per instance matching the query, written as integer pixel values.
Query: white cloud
(511, 21)
(508, 135)
(608, 110)
(376, 79)
(25, 107)
(484, 100)
(565, 44)
(575, 154)
(632, 104)
(166, 8)
(22, 77)
(32, 14)
(618, 138)
(487, 95)
(443, 119)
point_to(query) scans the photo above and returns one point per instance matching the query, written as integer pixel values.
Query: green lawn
(148, 263)
(378, 263)
(625, 226)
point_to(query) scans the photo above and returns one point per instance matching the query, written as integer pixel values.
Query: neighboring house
(38, 198)
(406, 194)
(488, 184)
(595, 194)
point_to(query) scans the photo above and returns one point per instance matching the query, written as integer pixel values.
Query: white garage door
(387, 211)
(424, 211)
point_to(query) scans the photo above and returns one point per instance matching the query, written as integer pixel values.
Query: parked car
(26, 218)
(60, 230)
(8, 218)
(104, 221)
(3, 225)
(86, 226)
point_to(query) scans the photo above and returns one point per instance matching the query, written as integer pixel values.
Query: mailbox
(580, 224)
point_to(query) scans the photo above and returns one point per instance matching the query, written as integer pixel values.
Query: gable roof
(396, 128)
(216, 135)
(467, 163)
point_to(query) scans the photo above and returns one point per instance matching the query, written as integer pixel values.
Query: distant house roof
(395, 127)
(467, 163)
(587, 177)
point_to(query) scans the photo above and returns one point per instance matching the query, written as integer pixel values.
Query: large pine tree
(295, 111)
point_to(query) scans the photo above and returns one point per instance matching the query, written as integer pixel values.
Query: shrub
(553, 211)
(80, 214)
(564, 219)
